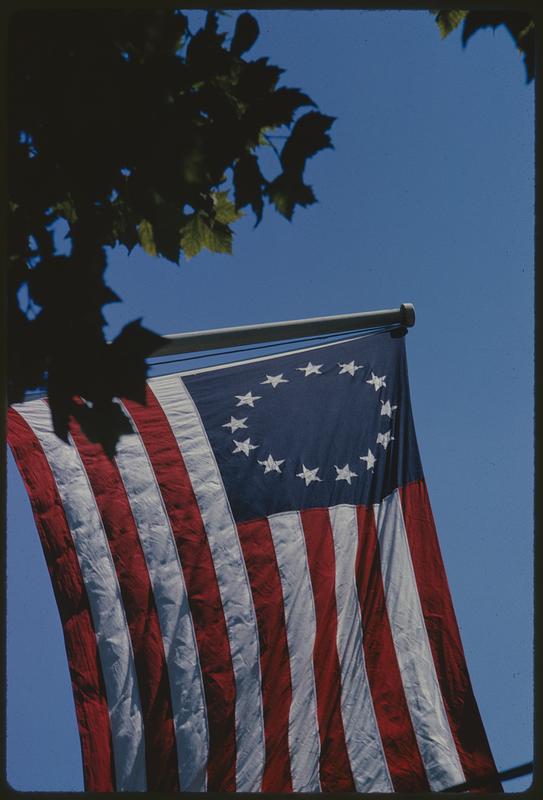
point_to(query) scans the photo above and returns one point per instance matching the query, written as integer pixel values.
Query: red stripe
(202, 588)
(335, 768)
(140, 610)
(464, 718)
(73, 604)
(397, 734)
(259, 555)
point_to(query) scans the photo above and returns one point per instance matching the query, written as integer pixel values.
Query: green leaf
(225, 210)
(67, 210)
(205, 55)
(200, 232)
(248, 183)
(287, 191)
(278, 108)
(526, 31)
(245, 34)
(147, 239)
(448, 20)
(525, 40)
(307, 138)
(124, 228)
(211, 22)
(129, 181)
(135, 339)
(476, 20)
(103, 423)
(125, 360)
(192, 236)
(520, 25)
(257, 80)
(168, 221)
(167, 240)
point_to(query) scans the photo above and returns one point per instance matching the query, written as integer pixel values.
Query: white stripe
(410, 637)
(170, 594)
(301, 626)
(232, 578)
(107, 610)
(362, 736)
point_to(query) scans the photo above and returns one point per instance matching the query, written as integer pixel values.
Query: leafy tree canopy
(134, 130)
(520, 25)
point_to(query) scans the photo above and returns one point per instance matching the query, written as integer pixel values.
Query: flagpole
(276, 331)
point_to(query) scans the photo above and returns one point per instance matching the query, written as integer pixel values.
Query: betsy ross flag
(252, 593)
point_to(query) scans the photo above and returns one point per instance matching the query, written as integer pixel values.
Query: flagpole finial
(408, 312)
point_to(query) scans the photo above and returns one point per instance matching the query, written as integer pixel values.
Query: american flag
(252, 593)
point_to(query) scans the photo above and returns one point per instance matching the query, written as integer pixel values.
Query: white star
(308, 475)
(234, 424)
(244, 447)
(369, 459)
(377, 382)
(387, 408)
(310, 369)
(274, 380)
(271, 464)
(345, 474)
(384, 439)
(351, 368)
(247, 399)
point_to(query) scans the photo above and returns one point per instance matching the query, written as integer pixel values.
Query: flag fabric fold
(251, 591)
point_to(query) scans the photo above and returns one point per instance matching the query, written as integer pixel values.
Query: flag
(251, 592)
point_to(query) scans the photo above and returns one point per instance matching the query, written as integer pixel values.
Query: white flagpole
(276, 331)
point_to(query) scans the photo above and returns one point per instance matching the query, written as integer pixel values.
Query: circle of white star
(345, 474)
(308, 475)
(272, 465)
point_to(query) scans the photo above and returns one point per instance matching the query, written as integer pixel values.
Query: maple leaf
(308, 137)
(146, 237)
(245, 34)
(158, 116)
(248, 183)
(200, 231)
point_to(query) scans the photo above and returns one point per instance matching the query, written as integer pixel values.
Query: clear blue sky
(427, 198)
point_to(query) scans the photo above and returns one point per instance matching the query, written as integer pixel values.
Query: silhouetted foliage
(520, 25)
(134, 130)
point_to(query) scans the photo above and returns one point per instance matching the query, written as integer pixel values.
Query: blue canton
(311, 429)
